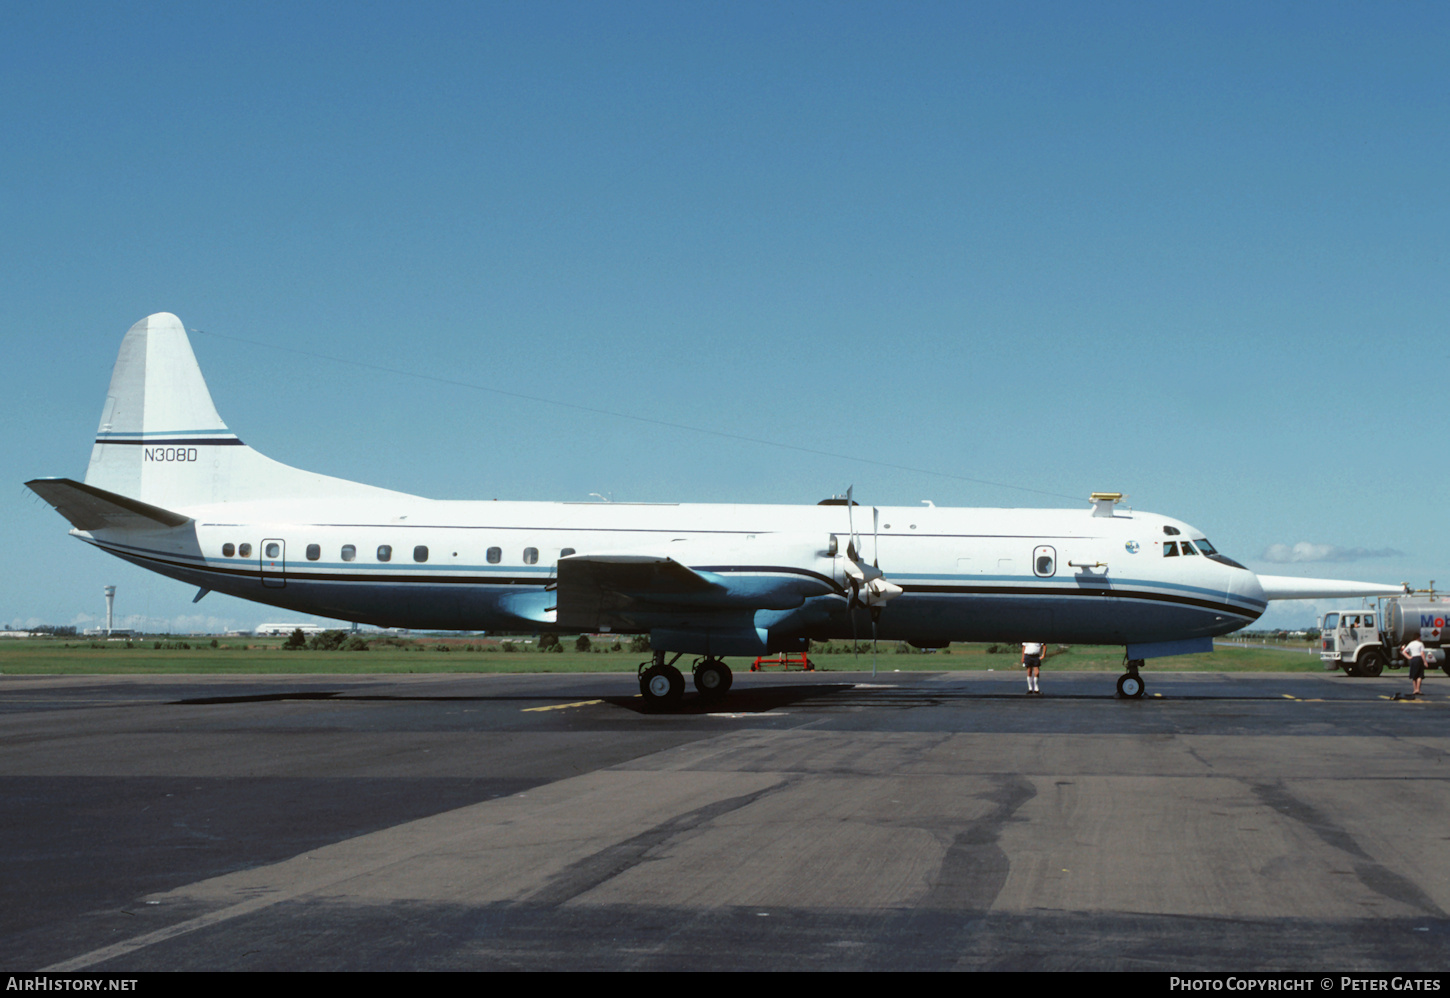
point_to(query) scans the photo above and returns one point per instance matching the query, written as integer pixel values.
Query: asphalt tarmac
(917, 821)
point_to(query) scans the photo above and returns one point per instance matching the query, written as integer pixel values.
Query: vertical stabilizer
(161, 440)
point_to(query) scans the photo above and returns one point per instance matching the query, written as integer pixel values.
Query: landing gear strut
(1130, 684)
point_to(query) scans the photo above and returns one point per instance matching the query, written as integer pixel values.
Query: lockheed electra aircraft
(170, 488)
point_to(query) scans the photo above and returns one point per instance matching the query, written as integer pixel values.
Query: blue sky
(1195, 253)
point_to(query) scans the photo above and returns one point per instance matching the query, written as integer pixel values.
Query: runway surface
(810, 821)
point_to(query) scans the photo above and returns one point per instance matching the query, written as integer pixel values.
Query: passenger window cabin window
(274, 550)
(1044, 561)
(314, 551)
(1170, 549)
(385, 552)
(420, 553)
(244, 551)
(566, 552)
(349, 552)
(228, 550)
(531, 556)
(495, 555)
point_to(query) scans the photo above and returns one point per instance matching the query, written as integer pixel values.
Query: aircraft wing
(591, 588)
(90, 508)
(1287, 587)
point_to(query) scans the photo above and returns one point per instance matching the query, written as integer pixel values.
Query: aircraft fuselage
(966, 574)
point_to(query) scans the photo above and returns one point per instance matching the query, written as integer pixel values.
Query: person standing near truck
(1032, 655)
(1414, 653)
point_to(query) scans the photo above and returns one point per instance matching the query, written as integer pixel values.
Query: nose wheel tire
(1130, 686)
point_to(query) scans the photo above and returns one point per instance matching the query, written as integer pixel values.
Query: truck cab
(1351, 640)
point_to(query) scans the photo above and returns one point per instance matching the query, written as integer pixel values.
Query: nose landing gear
(1130, 684)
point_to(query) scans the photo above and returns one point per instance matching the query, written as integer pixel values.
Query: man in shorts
(1032, 654)
(1414, 653)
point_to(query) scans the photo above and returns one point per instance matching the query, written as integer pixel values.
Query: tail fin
(161, 441)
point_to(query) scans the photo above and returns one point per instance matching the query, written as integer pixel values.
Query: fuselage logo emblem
(1132, 547)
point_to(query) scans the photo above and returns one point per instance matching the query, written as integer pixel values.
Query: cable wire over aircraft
(171, 488)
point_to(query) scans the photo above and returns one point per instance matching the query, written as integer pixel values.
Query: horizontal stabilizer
(1287, 587)
(90, 508)
(591, 587)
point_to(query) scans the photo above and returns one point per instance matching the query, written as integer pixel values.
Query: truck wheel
(1371, 662)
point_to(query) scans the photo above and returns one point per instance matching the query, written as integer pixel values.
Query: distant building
(283, 630)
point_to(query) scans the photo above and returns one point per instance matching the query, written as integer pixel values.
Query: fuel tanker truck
(1364, 641)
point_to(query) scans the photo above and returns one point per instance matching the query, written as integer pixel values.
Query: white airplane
(172, 489)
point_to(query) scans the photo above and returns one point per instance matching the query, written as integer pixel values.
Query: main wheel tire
(662, 686)
(1371, 662)
(713, 679)
(1130, 686)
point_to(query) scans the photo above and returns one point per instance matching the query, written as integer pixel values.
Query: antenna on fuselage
(1103, 502)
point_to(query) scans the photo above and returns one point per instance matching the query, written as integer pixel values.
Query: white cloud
(1284, 554)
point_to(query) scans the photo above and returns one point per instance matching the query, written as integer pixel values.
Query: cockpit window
(1187, 548)
(1212, 552)
(1170, 549)
(1170, 531)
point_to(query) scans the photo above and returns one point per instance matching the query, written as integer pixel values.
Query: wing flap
(593, 587)
(90, 508)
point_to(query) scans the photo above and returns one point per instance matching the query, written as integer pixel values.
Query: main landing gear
(1130, 684)
(662, 685)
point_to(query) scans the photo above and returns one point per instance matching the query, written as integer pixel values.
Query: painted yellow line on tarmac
(563, 706)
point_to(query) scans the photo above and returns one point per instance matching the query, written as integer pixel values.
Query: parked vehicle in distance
(1364, 641)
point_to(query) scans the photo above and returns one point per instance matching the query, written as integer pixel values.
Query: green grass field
(59, 656)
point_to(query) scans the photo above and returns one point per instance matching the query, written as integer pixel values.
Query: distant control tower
(110, 608)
